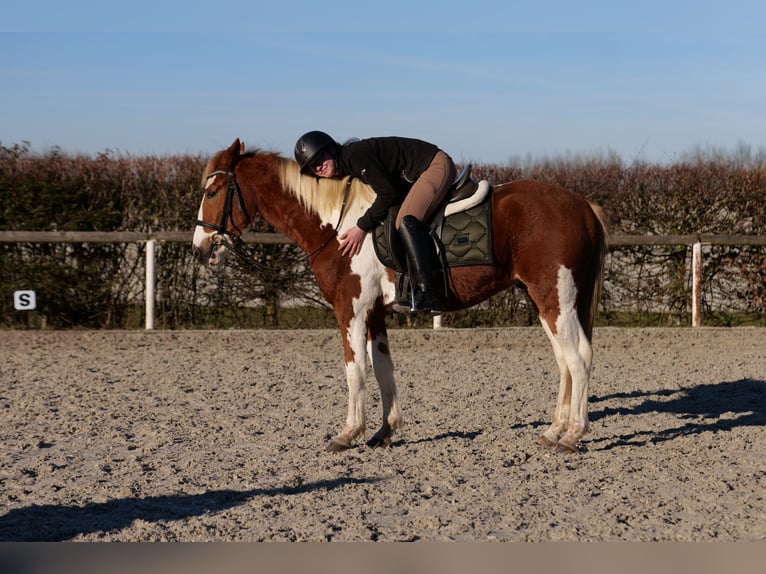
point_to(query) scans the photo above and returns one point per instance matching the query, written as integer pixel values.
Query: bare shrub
(101, 285)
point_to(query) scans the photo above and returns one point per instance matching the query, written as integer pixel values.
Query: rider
(410, 172)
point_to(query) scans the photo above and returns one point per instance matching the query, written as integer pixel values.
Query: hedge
(101, 285)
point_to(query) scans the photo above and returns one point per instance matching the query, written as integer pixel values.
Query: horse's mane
(322, 195)
(319, 195)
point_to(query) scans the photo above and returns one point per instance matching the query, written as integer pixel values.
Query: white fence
(151, 239)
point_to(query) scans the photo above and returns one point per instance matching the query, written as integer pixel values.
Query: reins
(337, 225)
(232, 240)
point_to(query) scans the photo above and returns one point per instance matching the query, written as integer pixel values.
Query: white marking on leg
(357, 392)
(561, 414)
(383, 368)
(356, 380)
(577, 353)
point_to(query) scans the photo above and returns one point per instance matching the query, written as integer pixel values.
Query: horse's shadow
(467, 435)
(716, 407)
(56, 523)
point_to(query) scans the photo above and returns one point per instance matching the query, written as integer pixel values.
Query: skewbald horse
(548, 240)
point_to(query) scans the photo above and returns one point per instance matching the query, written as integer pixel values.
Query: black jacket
(390, 165)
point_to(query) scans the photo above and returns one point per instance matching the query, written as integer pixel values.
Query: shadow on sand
(55, 523)
(705, 408)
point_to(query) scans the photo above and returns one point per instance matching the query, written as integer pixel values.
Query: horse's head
(222, 214)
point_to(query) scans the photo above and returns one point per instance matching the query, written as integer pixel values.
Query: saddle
(461, 230)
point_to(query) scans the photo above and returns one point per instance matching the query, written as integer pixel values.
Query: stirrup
(404, 299)
(405, 304)
(404, 308)
(409, 306)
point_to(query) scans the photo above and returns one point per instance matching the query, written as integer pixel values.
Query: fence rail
(122, 237)
(278, 238)
(152, 237)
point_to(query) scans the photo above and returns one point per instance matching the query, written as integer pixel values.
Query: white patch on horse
(373, 276)
(574, 354)
(201, 235)
(568, 323)
(569, 329)
(567, 291)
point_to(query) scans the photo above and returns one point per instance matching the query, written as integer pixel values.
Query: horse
(547, 240)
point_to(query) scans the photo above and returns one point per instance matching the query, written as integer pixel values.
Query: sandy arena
(207, 436)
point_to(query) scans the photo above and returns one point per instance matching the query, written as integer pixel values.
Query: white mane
(321, 195)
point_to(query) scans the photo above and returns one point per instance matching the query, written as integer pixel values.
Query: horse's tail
(589, 305)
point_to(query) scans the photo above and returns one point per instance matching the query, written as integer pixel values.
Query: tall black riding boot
(420, 256)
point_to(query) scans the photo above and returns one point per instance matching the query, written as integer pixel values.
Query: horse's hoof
(546, 442)
(376, 442)
(338, 445)
(569, 448)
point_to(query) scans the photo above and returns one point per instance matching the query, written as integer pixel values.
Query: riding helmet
(310, 145)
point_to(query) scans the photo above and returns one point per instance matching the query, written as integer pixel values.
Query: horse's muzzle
(210, 253)
(216, 255)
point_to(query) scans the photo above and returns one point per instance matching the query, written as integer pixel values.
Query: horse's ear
(235, 147)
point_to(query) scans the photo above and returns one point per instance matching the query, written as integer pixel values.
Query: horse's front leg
(354, 343)
(356, 418)
(383, 367)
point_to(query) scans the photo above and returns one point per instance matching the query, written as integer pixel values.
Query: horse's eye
(212, 193)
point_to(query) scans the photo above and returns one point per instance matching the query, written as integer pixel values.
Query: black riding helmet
(310, 145)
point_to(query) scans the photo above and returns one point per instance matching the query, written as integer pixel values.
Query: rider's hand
(351, 241)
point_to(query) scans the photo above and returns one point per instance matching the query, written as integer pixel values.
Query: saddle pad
(466, 237)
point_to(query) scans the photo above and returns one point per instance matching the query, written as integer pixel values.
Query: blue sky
(489, 82)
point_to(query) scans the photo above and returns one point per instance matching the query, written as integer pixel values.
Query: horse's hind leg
(561, 415)
(579, 357)
(383, 367)
(574, 356)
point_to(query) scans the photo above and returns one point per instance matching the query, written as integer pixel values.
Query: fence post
(151, 246)
(696, 283)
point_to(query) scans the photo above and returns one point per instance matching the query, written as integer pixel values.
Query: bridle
(232, 241)
(232, 189)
